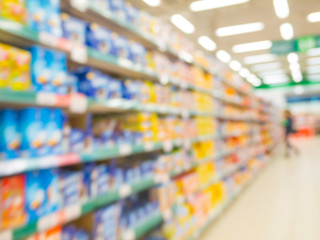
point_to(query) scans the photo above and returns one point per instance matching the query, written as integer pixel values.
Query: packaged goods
(14, 10)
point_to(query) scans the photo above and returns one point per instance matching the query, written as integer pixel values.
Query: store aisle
(282, 204)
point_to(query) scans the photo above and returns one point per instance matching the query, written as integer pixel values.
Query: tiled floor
(282, 204)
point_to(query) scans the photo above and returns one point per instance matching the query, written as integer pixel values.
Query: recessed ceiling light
(202, 5)
(254, 80)
(244, 72)
(313, 61)
(266, 66)
(293, 58)
(239, 29)
(235, 65)
(153, 3)
(286, 30)
(281, 8)
(314, 17)
(276, 79)
(253, 46)
(314, 77)
(223, 56)
(207, 43)
(313, 52)
(259, 58)
(183, 24)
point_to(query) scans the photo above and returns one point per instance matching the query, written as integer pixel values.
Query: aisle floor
(282, 204)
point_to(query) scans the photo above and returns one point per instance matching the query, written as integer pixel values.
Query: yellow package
(5, 65)
(20, 74)
(14, 10)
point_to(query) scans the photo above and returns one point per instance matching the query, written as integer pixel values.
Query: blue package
(73, 29)
(117, 7)
(54, 128)
(71, 185)
(68, 232)
(106, 222)
(42, 194)
(72, 83)
(97, 179)
(52, 23)
(92, 83)
(76, 140)
(33, 132)
(10, 137)
(132, 90)
(121, 45)
(41, 72)
(138, 53)
(132, 13)
(57, 63)
(101, 4)
(81, 235)
(36, 14)
(114, 88)
(100, 39)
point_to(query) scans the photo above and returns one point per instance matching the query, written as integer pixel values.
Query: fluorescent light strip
(266, 66)
(293, 58)
(235, 65)
(286, 30)
(223, 56)
(314, 17)
(259, 59)
(244, 72)
(314, 77)
(254, 80)
(276, 79)
(202, 5)
(254, 46)
(239, 29)
(268, 73)
(183, 24)
(313, 52)
(281, 8)
(153, 3)
(313, 61)
(207, 43)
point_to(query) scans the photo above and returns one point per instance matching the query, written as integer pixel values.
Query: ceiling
(206, 22)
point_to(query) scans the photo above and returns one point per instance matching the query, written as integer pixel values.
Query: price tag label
(125, 191)
(168, 146)
(48, 39)
(48, 162)
(149, 107)
(125, 149)
(80, 5)
(183, 85)
(72, 212)
(164, 79)
(49, 221)
(79, 54)
(78, 103)
(129, 235)
(6, 235)
(167, 214)
(48, 99)
(125, 63)
(149, 146)
(161, 46)
(185, 114)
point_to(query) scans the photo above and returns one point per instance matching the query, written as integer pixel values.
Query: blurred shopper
(288, 125)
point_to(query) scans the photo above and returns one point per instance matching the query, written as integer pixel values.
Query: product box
(76, 142)
(14, 10)
(57, 63)
(20, 73)
(10, 137)
(137, 53)
(12, 202)
(41, 72)
(54, 234)
(5, 65)
(42, 193)
(54, 127)
(71, 186)
(72, 83)
(106, 222)
(114, 88)
(132, 90)
(121, 45)
(33, 132)
(97, 179)
(36, 14)
(132, 13)
(73, 29)
(52, 23)
(99, 38)
(117, 7)
(92, 83)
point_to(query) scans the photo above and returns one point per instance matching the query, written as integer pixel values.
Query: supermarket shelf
(17, 166)
(236, 87)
